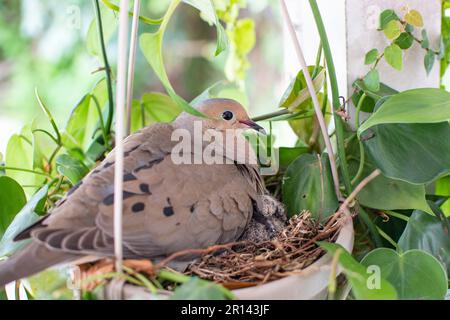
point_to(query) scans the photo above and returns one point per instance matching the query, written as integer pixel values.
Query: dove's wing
(167, 207)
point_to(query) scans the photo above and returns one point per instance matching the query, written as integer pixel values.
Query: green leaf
(415, 274)
(372, 97)
(198, 289)
(426, 232)
(393, 29)
(410, 152)
(22, 220)
(151, 46)
(371, 56)
(414, 18)
(244, 36)
(19, 154)
(428, 61)
(426, 105)
(288, 155)
(308, 185)
(405, 40)
(394, 56)
(443, 189)
(154, 107)
(363, 280)
(425, 41)
(12, 199)
(51, 284)
(297, 97)
(72, 168)
(208, 12)
(109, 24)
(387, 16)
(372, 80)
(382, 192)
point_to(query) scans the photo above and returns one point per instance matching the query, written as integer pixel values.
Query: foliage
(406, 136)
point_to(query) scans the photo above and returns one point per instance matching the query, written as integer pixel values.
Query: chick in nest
(267, 222)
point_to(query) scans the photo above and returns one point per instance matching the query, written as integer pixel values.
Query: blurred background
(43, 45)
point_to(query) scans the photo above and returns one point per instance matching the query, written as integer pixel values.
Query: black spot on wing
(107, 165)
(129, 177)
(109, 199)
(127, 153)
(149, 165)
(138, 207)
(144, 187)
(168, 211)
(192, 208)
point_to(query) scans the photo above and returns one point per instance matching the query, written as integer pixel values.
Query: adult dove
(168, 206)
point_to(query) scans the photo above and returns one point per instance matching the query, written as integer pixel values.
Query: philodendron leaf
(414, 18)
(308, 185)
(387, 16)
(394, 56)
(12, 199)
(415, 274)
(297, 96)
(22, 220)
(393, 29)
(151, 46)
(154, 107)
(372, 80)
(428, 61)
(415, 152)
(198, 289)
(427, 105)
(208, 12)
(382, 192)
(371, 56)
(443, 189)
(426, 232)
(109, 24)
(72, 168)
(366, 283)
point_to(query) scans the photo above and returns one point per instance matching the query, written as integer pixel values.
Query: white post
(119, 126)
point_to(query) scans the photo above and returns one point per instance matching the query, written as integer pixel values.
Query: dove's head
(222, 128)
(222, 114)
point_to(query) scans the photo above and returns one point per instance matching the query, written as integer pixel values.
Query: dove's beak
(253, 125)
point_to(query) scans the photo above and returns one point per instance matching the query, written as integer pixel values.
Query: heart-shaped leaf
(109, 25)
(428, 61)
(426, 232)
(198, 289)
(405, 40)
(12, 200)
(387, 16)
(297, 96)
(72, 168)
(394, 56)
(414, 18)
(366, 283)
(371, 56)
(22, 220)
(372, 80)
(308, 185)
(427, 105)
(409, 152)
(415, 274)
(393, 29)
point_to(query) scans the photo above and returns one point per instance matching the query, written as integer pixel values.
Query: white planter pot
(310, 285)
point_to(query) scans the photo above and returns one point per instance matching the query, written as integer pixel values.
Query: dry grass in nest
(247, 264)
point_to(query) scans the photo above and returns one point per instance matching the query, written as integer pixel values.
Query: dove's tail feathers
(30, 260)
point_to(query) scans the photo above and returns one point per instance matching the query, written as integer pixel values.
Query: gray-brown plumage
(167, 207)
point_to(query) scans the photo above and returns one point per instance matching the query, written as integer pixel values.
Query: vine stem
(106, 68)
(315, 100)
(131, 61)
(335, 95)
(361, 146)
(337, 119)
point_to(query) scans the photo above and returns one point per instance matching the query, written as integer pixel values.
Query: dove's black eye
(227, 115)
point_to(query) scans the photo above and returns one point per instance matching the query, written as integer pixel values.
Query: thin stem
(49, 115)
(318, 58)
(397, 215)
(388, 238)
(271, 115)
(361, 146)
(107, 69)
(335, 96)
(24, 170)
(142, 18)
(313, 94)
(131, 62)
(100, 116)
(48, 134)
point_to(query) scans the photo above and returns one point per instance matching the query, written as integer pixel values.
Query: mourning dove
(167, 206)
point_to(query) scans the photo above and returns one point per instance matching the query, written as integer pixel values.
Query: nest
(247, 263)
(244, 263)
